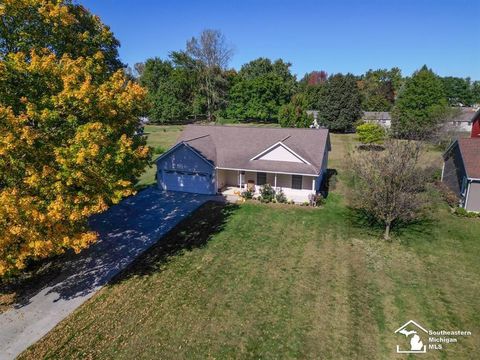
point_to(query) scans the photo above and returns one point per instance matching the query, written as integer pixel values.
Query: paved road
(126, 230)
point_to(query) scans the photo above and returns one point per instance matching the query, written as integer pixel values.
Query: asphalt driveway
(126, 230)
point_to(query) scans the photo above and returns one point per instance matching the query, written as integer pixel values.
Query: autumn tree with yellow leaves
(68, 147)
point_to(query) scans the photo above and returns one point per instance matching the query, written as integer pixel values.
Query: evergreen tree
(294, 113)
(421, 105)
(339, 103)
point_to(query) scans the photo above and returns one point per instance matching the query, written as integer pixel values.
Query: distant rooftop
(464, 114)
(376, 115)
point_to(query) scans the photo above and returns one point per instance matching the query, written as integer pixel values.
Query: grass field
(277, 281)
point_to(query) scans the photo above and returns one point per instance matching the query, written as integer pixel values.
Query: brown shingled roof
(234, 147)
(470, 150)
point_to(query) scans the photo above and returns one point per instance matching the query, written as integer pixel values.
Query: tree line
(196, 83)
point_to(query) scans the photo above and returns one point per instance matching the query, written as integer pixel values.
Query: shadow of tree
(125, 231)
(406, 231)
(329, 182)
(193, 232)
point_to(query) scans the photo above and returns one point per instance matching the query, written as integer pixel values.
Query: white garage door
(195, 182)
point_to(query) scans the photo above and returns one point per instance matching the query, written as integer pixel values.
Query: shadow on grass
(421, 229)
(329, 182)
(193, 232)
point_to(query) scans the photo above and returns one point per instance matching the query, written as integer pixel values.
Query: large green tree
(420, 106)
(169, 90)
(294, 113)
(458, 91)
(260, 89)
(476, 92)
(339, 102)
(379, 89)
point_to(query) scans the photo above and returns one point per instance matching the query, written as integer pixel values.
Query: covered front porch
(296, 187)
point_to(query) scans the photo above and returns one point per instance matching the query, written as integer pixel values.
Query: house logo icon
(413, 332)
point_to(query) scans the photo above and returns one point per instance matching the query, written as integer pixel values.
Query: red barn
(476, 125)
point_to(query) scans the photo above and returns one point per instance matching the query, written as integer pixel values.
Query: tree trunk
(386, 235)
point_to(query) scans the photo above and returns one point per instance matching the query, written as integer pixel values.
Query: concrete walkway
(126, 230)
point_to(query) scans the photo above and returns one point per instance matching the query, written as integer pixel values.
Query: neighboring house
(461, 171)
(463, 119)
(210, 159)
(475, 132)
(382, 118)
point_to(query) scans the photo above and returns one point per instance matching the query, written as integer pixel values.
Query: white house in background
(210, 159)
(463, 118)
(382, 118)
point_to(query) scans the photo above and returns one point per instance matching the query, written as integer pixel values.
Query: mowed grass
(276, 282)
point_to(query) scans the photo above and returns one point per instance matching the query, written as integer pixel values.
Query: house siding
(476, 127)
(184, 159)
(473, 200)
(323, 171)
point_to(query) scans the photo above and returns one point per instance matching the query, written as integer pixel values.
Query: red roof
(470, 149)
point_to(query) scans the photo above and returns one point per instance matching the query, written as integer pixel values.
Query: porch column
(313, 184)
(275, 182)
(239, 179)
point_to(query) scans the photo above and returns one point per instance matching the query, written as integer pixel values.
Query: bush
(158, 150)
(267, 193)
(247, 194)
(280, 197)
(317, 200)
(464, 213)
(448, 195)
(369, 133)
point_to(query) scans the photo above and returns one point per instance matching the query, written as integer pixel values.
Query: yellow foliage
(60, 153)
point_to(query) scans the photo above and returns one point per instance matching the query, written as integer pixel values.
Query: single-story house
(382, 118)
(463, 119)
(210, 159)
(461, 171)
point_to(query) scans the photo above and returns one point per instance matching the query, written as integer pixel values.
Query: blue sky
(335, 36)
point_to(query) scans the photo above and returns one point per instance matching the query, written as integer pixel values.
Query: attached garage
(182, 168)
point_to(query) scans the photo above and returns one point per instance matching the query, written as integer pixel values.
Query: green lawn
(280, 281)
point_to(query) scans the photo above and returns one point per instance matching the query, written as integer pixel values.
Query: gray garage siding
(183, 169)
(473, 201)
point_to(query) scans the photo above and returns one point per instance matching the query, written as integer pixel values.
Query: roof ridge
(256, 127)
(195, 138)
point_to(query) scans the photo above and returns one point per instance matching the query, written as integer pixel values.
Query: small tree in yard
(389, 185)
(370, 133)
